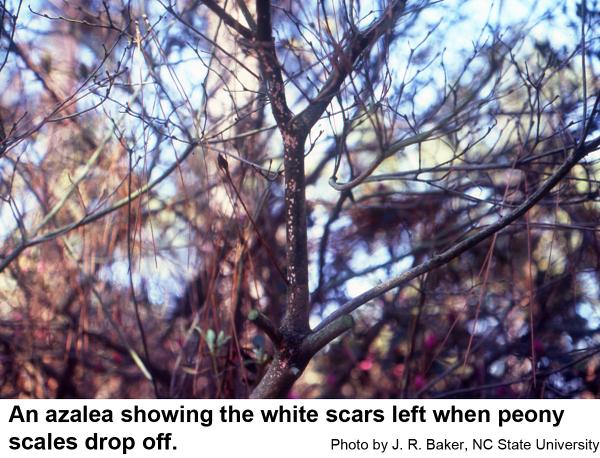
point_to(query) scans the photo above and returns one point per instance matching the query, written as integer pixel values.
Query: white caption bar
(296, 428)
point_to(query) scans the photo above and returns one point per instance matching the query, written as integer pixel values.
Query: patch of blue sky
(480, 193)
(497, 368)
(590, 312)
(363, 260)
(9, 223)
(25, 207)
(482, 326)
(155, 274)
(589, 307)
(564, 386)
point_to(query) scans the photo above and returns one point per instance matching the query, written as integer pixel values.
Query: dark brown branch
(278, 380)
(318, 339)
(269, 64)
(295, 320)
(264, 323)
(228, 19)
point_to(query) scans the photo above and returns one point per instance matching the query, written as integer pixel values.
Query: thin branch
(345, 60)
(264, 323)
(228, 19)
(471, 241)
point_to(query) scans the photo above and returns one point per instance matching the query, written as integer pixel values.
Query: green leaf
(210, 340)
(222, 339)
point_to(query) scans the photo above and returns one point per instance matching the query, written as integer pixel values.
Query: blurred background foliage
(454, 118)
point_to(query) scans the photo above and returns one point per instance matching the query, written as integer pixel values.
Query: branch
(269, 64)
(228, 19)
(90, 218)
(264, 323)
(247, 15)
(455, 251)
(295, 320)
(345, 61)
(318, 339)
